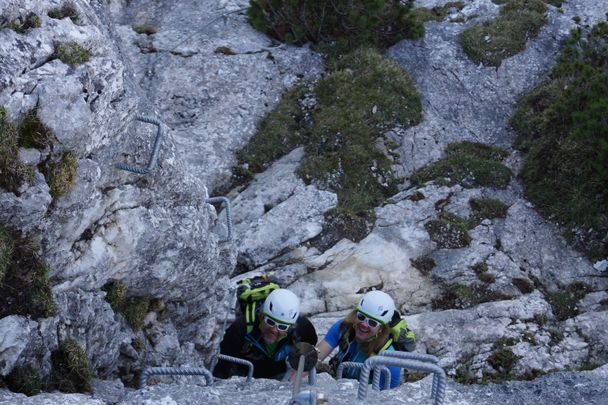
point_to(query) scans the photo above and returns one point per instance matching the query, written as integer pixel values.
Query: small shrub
(71, 371)
(21, 25)
(147, 29)
(564, 302)
(493, 41)
(481, 270)
(350, 23)
(503, 360)
(61, 175)
(13, 172)
(468, 164)
(26, 380)
(65, 11)
(423, 263)
(71, 53)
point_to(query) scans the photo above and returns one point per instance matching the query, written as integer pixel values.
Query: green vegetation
(564, 302)
(7, 246)
(13, 172)
(71, 371)
(147, 29)
(469, 164)
(61, 174)
(436, 13)
(523, 284)
(462, 296)
(425, 264)
(481, 270)
(26, 380)
(355, 105)
(224, 50)
(134, 309)
(488, 208)
(350, 23)
(21, 25)
(25, 289)
(66, 10)
(502, 360)
(562, 130)
(449, 231)
(71, 53)
(493, 41)
(556, 336)
(33, 133)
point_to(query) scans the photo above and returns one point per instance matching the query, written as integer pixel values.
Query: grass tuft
(25, 380)
(13, 172)
(71, 53)
(134, 309)
(33, 133)
(68, 10)
(71, 371)
(61, 174)
(147, 29)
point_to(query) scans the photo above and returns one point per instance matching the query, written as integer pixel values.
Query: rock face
(209, 77)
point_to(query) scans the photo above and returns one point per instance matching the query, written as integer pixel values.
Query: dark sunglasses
(372, 323)
(280, 326)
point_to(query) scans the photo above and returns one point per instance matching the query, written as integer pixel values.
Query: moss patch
(347, 23)
(481, 270)
(493, 41)
(71, 53)
(61, 174)
(13, 172)
(26, 289)
(425, 264)
(71, 371)
(134, 309)
(468, 164)
(224, 50)
(7, 246)
(67, 10)
(523, 284)
(562, 130)
(26, 380)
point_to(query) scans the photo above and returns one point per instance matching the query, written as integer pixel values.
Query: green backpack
(251, 293)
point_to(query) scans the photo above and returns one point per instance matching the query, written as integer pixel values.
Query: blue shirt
(356, 355)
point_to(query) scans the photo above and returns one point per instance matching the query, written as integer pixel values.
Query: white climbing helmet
(377, 305)
(282, 305)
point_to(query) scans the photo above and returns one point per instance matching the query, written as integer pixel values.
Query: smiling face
(363, 331)
(271, 334)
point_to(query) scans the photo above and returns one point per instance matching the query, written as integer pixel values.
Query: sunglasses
(280, 326)
(372, 323)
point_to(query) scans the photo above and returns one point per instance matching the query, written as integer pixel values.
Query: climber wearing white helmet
(279, 326)
(363, 333)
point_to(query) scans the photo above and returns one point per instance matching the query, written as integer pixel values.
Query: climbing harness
(251, 293)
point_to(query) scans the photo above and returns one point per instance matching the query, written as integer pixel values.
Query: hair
(373, 346)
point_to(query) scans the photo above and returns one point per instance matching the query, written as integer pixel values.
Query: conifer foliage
(350, 22)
